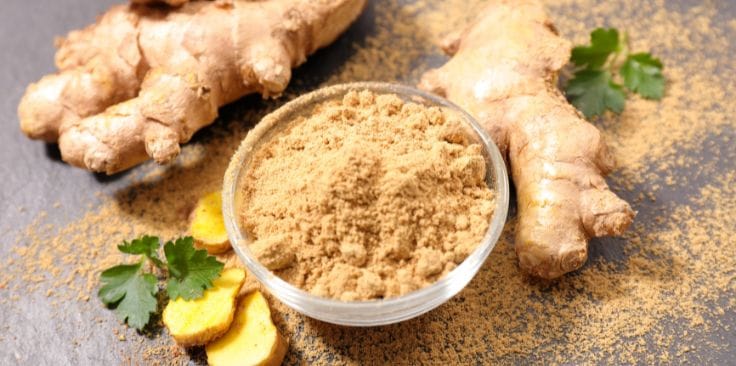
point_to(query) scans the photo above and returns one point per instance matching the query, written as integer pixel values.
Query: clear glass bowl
(373, 312)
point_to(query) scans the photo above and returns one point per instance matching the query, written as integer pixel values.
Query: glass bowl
(372, 312)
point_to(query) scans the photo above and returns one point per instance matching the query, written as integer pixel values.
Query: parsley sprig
(596, 85)
(131, 289)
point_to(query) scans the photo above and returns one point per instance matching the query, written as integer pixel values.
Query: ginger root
(197, 322)
(143, 80)
(504, 72)
(207, 225)
(252, 339)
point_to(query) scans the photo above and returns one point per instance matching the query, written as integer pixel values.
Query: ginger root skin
(207, 225)
(253, 339)
(504, 72)
(200, 321)
(143, 79)
(167, 2)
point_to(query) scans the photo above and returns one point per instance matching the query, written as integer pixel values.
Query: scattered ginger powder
(369, 197)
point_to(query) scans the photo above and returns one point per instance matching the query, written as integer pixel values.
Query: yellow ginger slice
(207, 225)
(196, 322)
(252, 339)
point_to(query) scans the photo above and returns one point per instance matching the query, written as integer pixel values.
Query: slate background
(32, 177)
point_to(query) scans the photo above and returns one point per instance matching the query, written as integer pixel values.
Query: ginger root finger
(504, 72)
(200, 321)
(91, 77)
(207, 225)
(94, 143)
(171, 68)
(252, 339)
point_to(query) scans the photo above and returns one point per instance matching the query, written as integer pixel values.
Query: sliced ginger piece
(207, 225)
(252, 339)
(196, 322)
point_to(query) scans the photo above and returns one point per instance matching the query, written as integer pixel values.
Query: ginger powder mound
(369, 197)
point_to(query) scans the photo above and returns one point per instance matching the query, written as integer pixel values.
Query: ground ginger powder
(369, 197)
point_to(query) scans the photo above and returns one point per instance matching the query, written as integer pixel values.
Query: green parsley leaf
(145, 245)
(642, 74)
(131, 293)
(593, 91)
(603, 42)
(191, 271)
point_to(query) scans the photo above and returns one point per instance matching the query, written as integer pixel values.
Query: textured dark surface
(34, 179)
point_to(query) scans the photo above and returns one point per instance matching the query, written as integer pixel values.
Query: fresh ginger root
(504, 72)
(252, 339)
(207, 225)
(200, 321)
(143, 80)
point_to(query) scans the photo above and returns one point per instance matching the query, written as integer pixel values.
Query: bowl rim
(284, 290)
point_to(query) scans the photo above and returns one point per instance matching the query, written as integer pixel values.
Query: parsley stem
(612, 63)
